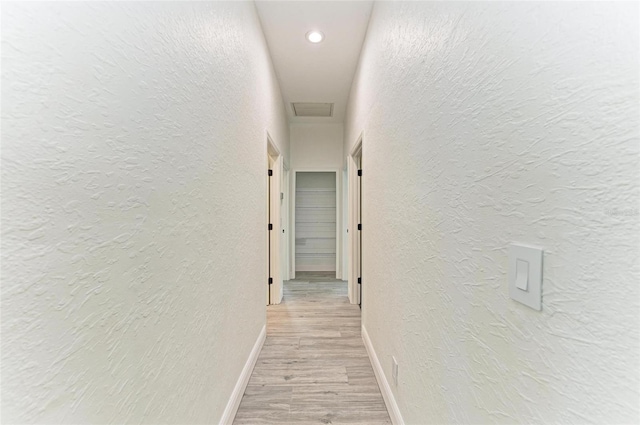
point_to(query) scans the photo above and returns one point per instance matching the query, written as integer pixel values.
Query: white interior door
(354, 235)
(285, 232)
(358, 163)
(270, 162)
(275, 208)
(345, 225)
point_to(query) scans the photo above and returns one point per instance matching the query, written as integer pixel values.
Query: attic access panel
(307, 109)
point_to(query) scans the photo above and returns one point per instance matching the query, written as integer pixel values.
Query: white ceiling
(315, 72)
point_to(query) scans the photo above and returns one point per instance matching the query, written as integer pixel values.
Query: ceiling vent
(301, 109)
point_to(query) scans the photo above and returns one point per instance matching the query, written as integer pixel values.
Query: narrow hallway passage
(313, 367)
(470, 169)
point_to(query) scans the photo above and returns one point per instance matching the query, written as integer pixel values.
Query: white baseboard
(236, 396)
(385, 389)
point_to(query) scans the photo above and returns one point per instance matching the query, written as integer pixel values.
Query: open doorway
(316, 222)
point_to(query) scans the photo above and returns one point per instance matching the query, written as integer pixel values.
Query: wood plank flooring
(313, 368)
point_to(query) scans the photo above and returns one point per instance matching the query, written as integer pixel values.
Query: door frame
(273, 212)
(292, 199)
(354, 217)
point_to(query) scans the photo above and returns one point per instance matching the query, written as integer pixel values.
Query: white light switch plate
(525, 275)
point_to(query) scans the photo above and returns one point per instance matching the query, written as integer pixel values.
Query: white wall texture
(316, 146)
(133, 188)
(486, 124)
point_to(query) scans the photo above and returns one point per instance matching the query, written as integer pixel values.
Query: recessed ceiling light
(315, 36)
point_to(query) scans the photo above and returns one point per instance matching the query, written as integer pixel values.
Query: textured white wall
(316, 146)
(486, 124)
(133, 200)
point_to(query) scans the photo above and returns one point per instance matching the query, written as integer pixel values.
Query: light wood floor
(313, 368)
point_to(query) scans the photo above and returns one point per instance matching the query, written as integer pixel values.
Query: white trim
(385, 389)
(272, 148)
(357, 147)
(230, 411)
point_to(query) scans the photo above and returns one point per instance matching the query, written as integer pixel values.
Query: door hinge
(359, 173)
(360, 280)
(270, 173)
(359, 226)
(270, 281)
(270, 226)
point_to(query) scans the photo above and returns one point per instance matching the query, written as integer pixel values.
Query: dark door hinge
(360, 280)
(359, 173)
(270, 281)
(270, 173)
(270, 226)
(359, 226)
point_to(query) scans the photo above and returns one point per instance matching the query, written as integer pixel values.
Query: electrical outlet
(394, 371)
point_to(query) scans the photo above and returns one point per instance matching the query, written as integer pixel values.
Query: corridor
(198, 196)
(313, 367)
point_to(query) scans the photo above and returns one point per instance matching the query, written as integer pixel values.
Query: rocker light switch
(525, 275)
(522, 274)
